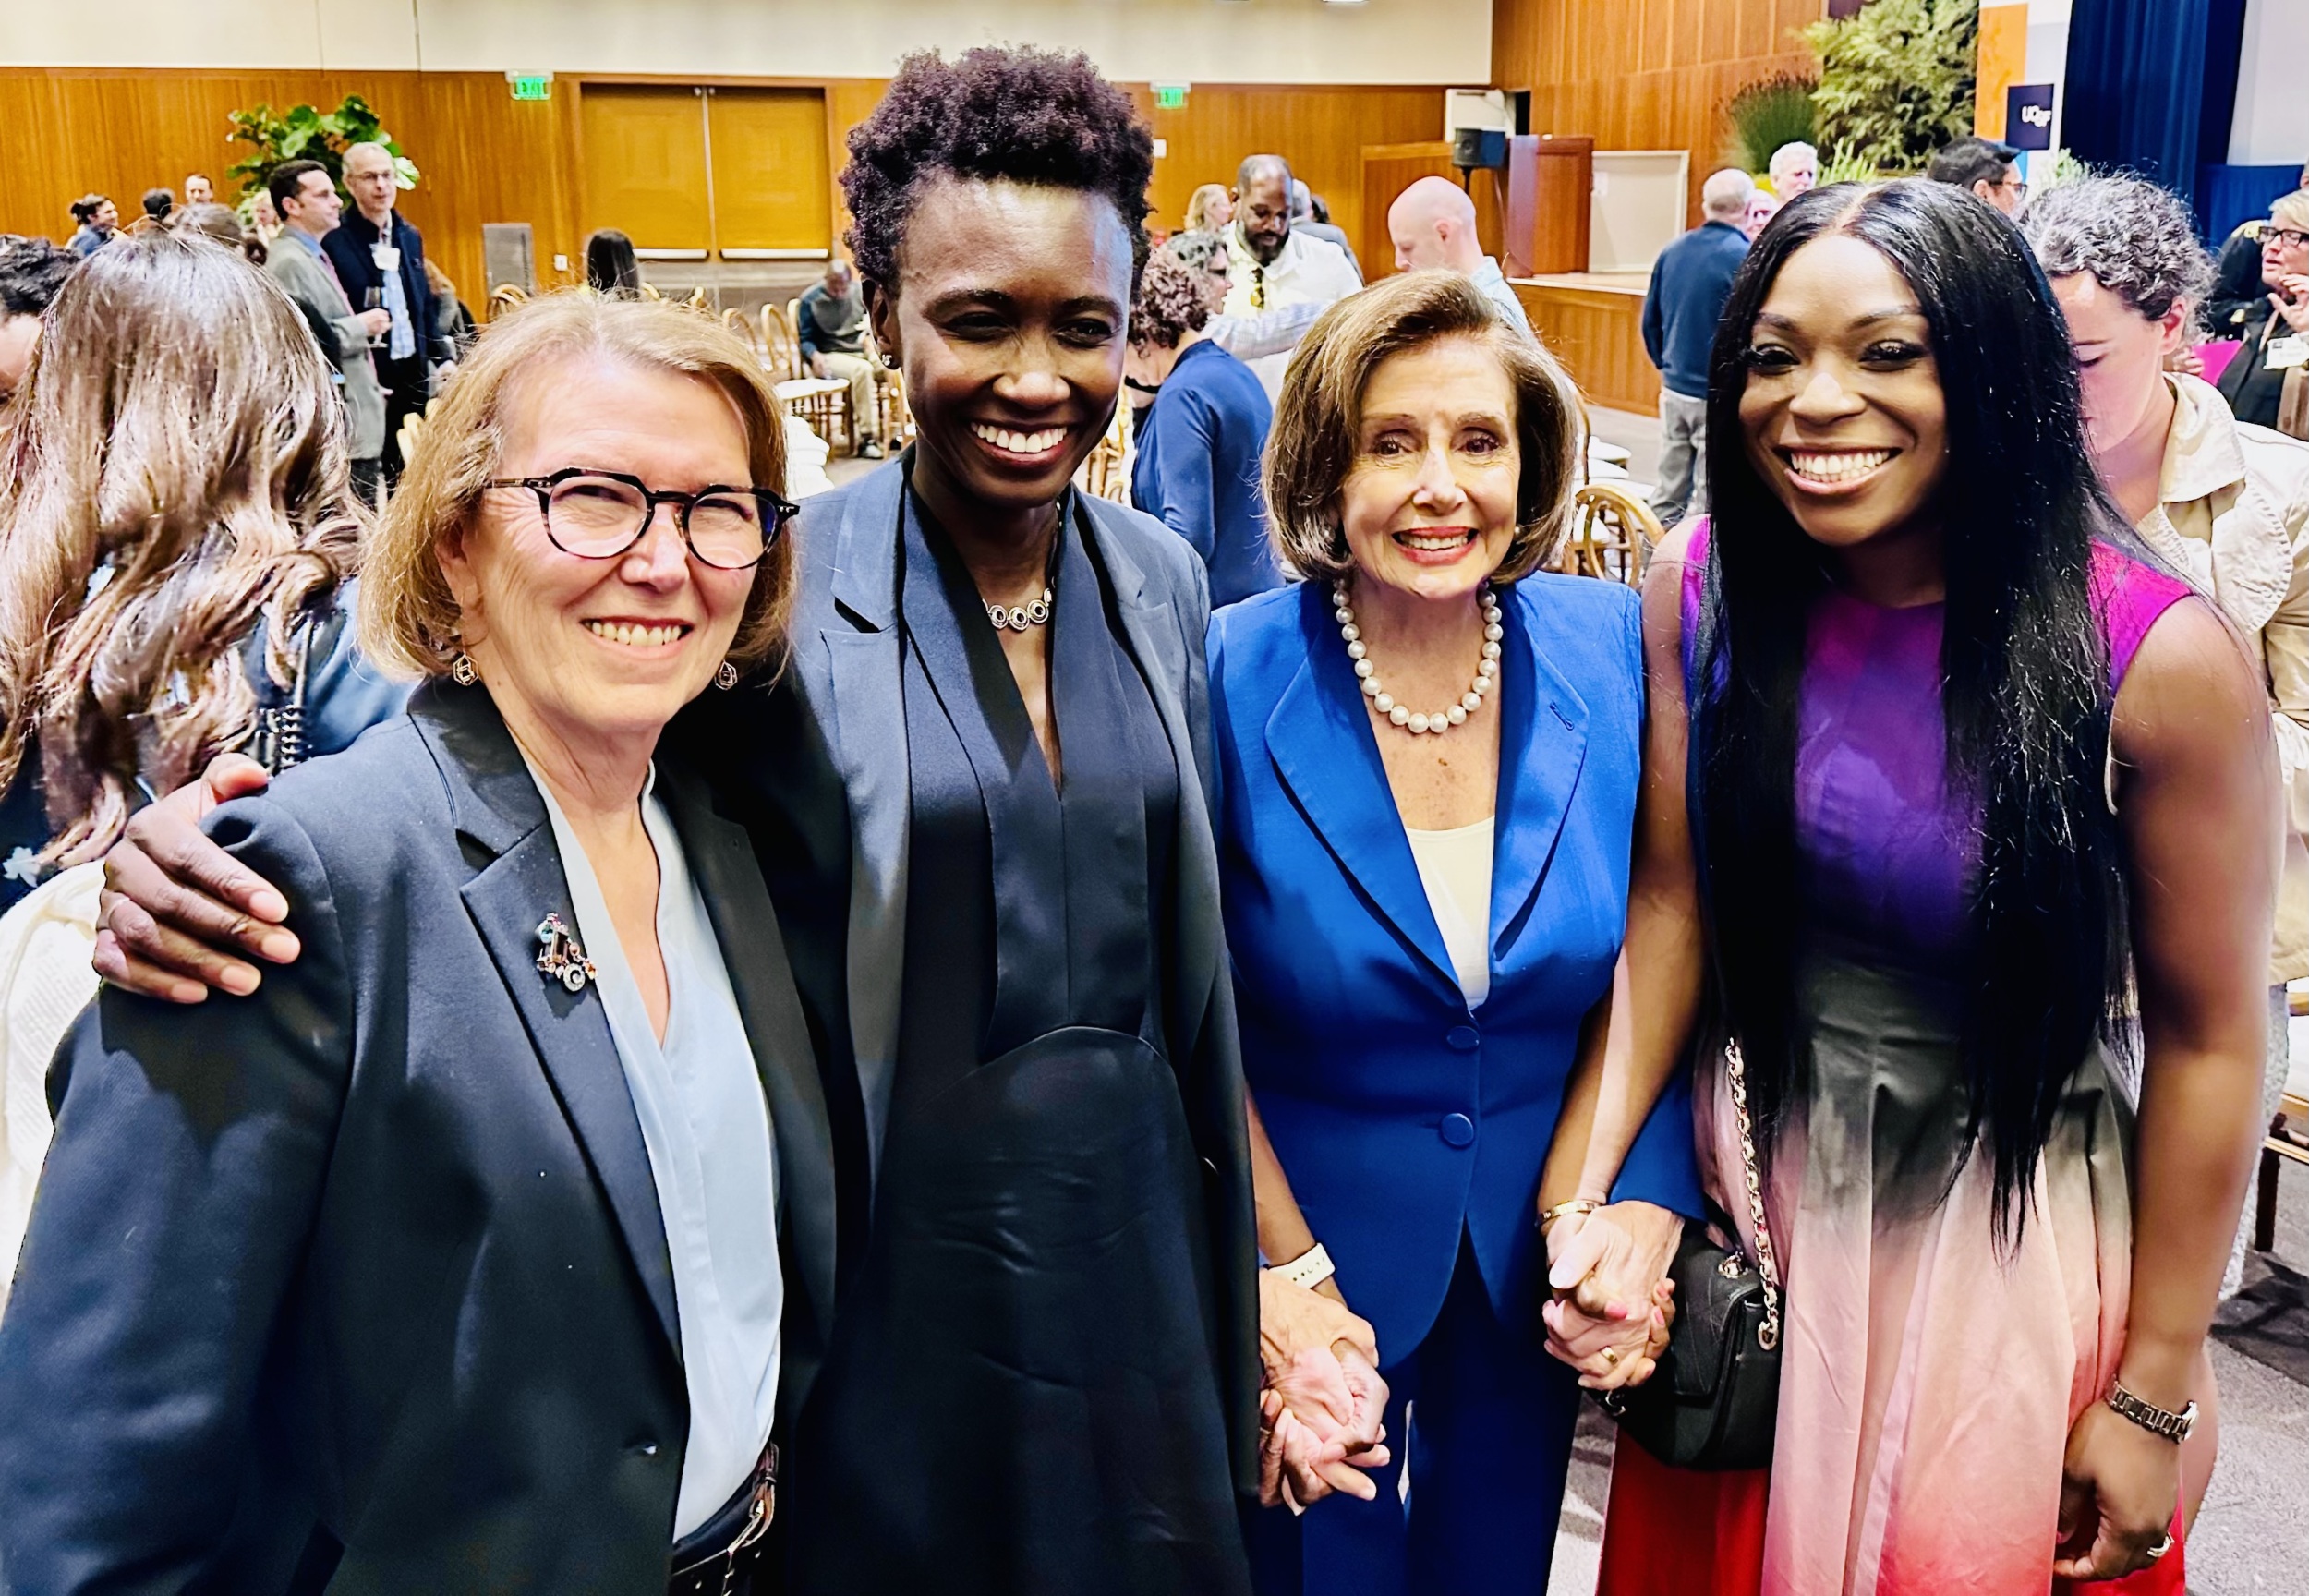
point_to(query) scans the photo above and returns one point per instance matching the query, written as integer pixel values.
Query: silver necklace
(1018, 617)
(1436, 721)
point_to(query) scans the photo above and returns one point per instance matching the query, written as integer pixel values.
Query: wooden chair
(1613, 533)
(1107, 474)
(738, 323)
(650, 291)
(412, 430)
(507, 298)
(822, 403)
(2288, 1138)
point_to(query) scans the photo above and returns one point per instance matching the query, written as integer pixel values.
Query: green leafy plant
(1767, 114)
(302, 133)
(1896, 82)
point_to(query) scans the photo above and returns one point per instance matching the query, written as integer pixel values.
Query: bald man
(1432, 224)
(1271, 265)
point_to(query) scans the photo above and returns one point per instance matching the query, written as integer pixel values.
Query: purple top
(1886, 849)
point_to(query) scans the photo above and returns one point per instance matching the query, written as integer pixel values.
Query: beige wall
(1264, 40)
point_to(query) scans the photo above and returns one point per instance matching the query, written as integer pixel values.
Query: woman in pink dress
(1968, 838)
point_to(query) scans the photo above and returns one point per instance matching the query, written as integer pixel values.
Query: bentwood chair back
(1613, 534)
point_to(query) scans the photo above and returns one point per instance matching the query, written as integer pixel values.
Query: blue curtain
(2152, 85)
(2227, 195)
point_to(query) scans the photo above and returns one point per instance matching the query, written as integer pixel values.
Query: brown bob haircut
(409, 621)
(1318, 424)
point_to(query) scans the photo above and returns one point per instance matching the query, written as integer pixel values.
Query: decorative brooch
(560, 958)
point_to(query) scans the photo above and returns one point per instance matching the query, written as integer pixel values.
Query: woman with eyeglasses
(449, 1258)
(2275, 327)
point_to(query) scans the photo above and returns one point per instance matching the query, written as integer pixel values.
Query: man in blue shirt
(1689, 285)
(829, 324)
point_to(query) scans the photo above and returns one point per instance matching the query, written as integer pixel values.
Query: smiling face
(598, 654)
(2119, 357)
(1842, 410)
(1008, 321)
(315, 207)
(1428, 506)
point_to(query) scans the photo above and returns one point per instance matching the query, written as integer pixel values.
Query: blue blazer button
(1458, 1130)
(1463, 1038)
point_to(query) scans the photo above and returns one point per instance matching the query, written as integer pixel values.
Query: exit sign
(531, 85)
(1169, 96)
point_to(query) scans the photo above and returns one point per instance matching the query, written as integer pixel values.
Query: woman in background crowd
(175, 582)
(1198, 459)
(1429, 754)
(2275, 325)
(610, 265)
(1209, 209)
(99, 219)
(449, 1259)
(1978, 847)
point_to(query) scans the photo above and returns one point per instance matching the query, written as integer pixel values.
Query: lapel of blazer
(849, 568)
(745, 924)
(1157, 637)
(1321, 739)
(497, 806)
(1543, 748)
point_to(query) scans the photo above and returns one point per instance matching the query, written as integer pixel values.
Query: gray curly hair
(1193, 251)
(2137, 240)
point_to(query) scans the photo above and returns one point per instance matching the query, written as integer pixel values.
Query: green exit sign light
(1169, 96)
(531, 85)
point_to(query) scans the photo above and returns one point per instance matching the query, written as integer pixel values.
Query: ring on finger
(1611, 1356)
(2162, 1546)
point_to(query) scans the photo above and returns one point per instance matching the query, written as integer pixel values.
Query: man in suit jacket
(308, 205)
(377, 253)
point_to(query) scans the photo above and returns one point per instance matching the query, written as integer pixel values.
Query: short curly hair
(1171, 303)
(1016, 114)
(2135, 239)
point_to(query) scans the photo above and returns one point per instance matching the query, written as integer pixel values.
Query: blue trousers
(1488, 1442)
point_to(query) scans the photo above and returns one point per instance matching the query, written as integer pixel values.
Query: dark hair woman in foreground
(1975, 830)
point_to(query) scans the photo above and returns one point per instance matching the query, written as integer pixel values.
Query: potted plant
(1767, 114)
(302, 133)
(1896, 82)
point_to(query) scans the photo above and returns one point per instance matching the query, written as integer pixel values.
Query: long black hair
(2025, 690)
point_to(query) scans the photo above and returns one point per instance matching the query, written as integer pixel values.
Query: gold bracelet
(1582, 1206)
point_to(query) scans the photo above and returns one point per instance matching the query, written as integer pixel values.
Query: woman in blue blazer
(1424, 907)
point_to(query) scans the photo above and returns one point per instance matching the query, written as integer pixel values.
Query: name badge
(388, 258)
(2287, 353)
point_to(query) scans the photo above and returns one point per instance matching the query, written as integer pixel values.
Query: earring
(726, 676)
(464, 672)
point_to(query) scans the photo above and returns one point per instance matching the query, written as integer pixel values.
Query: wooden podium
(1548, 183)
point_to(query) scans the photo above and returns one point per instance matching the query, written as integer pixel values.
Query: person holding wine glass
(309, 205)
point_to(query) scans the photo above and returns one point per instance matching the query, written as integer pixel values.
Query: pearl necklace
(1440, 720)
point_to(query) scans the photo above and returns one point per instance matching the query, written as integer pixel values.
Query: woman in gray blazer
(450, 1258)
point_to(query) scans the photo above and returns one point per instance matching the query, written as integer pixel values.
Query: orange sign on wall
(2004, 62)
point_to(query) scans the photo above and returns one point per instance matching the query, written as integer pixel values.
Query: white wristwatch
(1310, 1269)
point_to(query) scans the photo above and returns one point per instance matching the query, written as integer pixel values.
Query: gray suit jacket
(845, 664)
(301, 274)
(366, 1274)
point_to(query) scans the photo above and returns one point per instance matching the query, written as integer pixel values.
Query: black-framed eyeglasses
(600, 515)
(2291, 236)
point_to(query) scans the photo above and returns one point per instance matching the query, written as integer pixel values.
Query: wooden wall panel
(1598, 335)
(486, 157)
(1645, 74)
(642, 166)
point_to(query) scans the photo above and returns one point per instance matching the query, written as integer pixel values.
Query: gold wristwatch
(2173, 1427)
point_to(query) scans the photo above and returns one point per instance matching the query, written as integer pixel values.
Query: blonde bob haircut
(2292, 211)
(1317, 434)
(409, 621)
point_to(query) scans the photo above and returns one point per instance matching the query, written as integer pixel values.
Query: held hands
(176, 907)
(1612, 1301)
(1320, 1415)
(2118, 1489)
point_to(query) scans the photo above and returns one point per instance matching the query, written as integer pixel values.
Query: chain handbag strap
(1736, 1067)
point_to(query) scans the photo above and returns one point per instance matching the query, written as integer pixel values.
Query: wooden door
(771, 188)
(644, 169)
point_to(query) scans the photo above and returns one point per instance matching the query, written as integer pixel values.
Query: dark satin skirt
(1021, 1401)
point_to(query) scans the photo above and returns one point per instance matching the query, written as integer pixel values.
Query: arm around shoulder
(179, 1193)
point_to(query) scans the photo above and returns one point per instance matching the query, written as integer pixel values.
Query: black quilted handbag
(1713, 1401)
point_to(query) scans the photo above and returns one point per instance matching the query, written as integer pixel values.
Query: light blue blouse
(705, 1124)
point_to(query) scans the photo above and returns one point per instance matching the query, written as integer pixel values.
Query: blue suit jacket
(1402, 1119)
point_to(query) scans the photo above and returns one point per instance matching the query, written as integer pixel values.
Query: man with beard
(1270, 265)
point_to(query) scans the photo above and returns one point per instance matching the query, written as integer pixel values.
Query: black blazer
(361, 1283)
(2255, 391)
(348, 250)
